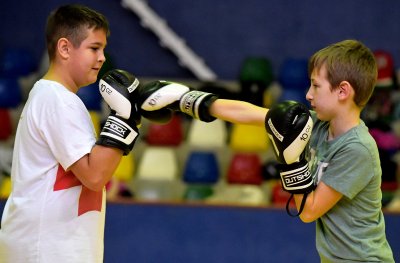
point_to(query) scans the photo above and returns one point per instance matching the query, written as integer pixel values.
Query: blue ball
(201, 167)
(10, 93)
(91, 97)
(294, 74)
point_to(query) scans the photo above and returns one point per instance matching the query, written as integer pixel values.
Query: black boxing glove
(159, 99)
(119, 90)
(289, 125)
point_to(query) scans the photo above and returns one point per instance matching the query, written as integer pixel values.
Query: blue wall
(197, 234)
(147, 233)
(222, 32)
(172, 233)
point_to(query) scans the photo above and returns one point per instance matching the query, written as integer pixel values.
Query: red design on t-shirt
(89, 200)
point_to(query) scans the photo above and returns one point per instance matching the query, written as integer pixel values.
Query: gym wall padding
(223, 33)
(154, 233)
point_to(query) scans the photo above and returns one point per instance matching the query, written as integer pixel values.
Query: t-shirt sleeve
(69, 131)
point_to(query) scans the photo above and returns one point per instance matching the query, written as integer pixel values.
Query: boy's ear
(63, 48)
(345, 90)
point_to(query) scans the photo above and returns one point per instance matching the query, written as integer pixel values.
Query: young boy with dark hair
(56, 210)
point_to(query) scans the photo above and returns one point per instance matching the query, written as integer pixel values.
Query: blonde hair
(351, 61)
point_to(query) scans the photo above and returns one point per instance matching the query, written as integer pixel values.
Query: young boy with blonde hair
(333, 170)
(344, 160)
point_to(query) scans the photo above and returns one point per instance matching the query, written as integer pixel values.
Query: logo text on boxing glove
(104, 88)
(187, 102)
(115, 128)
(298, 178)
(306, 133)
(274, 131)
(134, 85)
(154, 99)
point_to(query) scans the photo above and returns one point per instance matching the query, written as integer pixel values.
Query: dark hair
(72, 22)
(351, 61)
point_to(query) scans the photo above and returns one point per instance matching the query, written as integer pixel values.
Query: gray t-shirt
(354, 229)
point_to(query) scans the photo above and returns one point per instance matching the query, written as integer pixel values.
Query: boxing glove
(119, 90)
(159, 99)
(289, 125)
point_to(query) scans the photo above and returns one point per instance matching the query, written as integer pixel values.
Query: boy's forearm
(95, 169)
(239, 112)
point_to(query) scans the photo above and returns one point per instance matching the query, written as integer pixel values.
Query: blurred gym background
(196, 192)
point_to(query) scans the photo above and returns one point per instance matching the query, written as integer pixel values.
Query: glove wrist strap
(118, 134)
(296, 178)
(196, 104)
(303, 202)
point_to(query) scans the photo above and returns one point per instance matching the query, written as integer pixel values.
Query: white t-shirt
(50, 216)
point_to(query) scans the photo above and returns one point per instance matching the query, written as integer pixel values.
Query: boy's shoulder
(357, 135)
(46, 90)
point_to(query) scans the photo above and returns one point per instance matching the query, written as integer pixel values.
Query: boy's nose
(308, 95)
(102, 57)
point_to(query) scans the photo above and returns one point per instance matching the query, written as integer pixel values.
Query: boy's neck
(343, 122)
(59, 76)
